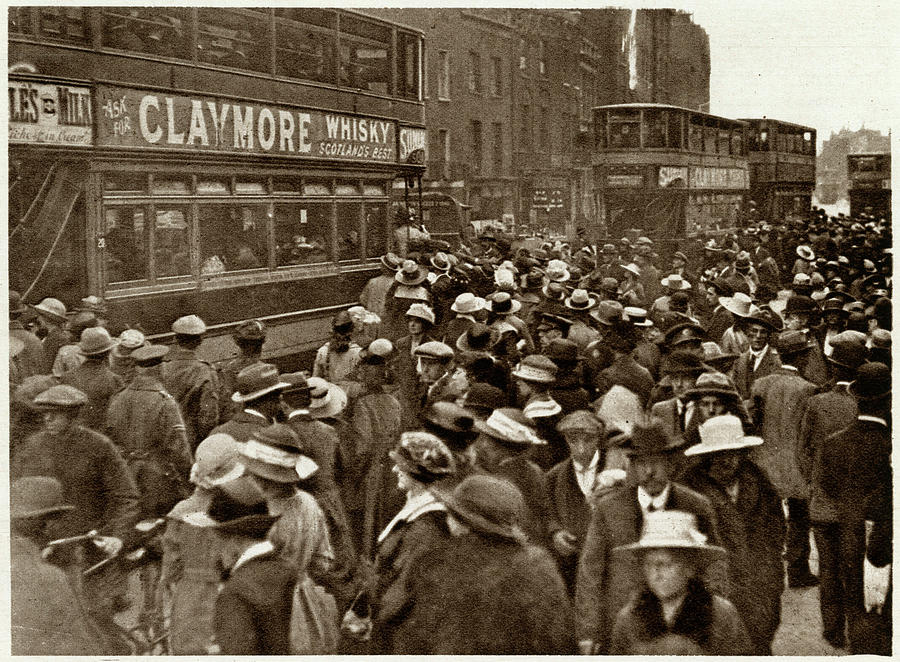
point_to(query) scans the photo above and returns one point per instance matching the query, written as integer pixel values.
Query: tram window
(67, 23)
(724, 141)
(695, 135)
(233, 38)
(212, 187)
(232, 237)
(19, 20)
(737, 142)
(349, 231)
(171, 242)
(316, 188)
(625, 135)
(408, 65)
(344, 188)
(243, 187)
(303, 51)
(124, 183)
(303, 233)
(376, 228)
(126, 244)
(655, 128)
(171, 187)
(284, 185)
(373, 189)
(709, 138)
(158, 30)
(674, 139)
(365, 56)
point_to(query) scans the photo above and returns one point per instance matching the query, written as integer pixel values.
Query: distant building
(509, 94)
(831, 163)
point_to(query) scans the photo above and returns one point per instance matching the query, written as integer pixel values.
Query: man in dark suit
(855, 472)
(571, 485)
(761, 359)
(675, 414)
(779, 401)
(603, 587)
(826, 414)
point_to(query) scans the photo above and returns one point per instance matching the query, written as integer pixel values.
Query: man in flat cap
(191, 381)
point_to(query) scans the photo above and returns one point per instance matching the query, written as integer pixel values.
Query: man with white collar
(855, 472)
(603, 587)
(779, 401)
(761, 358)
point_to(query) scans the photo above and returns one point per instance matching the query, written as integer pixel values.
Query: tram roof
(777, 121)
(664, 106)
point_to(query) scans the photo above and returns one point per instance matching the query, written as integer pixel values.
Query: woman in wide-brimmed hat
(277, 460)
(674, 608)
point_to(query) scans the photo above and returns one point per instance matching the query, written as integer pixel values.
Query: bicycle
(103, 602)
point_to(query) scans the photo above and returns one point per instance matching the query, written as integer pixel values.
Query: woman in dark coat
(674, 612)
(751, 524)
(485, 591)
(420, 459)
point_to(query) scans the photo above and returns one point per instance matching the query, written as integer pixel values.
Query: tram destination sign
(49, 114)
(128, 117)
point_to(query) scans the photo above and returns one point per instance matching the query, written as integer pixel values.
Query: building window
(444, 145)
(541, 51)
(443, 75)
(497, 150)
(545, 129)
(474, 72)
(523, 55)
(476, 144)
(526, 128)
(18, 19)
(497, 67)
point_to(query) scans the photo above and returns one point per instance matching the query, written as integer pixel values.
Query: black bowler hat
(873, 381)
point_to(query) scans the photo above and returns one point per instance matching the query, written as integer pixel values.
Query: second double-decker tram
(672, 173)
(232, 163)
(782, 168)
(869, 184)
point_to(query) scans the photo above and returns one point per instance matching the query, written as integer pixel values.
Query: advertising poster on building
(48, 114)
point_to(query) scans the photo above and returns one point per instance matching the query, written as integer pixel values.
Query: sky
(823, 64)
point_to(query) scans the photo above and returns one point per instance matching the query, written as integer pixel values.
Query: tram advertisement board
(128, 117)
(49, 114)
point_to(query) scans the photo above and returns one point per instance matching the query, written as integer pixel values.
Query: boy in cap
(146, 424)
(191, 381)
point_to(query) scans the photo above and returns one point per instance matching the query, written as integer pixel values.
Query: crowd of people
(502, 450)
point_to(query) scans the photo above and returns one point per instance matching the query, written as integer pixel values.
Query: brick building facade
(509, 94)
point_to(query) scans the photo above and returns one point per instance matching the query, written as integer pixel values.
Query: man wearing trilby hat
(603, 587)
(93, 377)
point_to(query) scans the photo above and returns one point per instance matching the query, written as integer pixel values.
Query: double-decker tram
(782, 168)
(672, 173)
(869, 177)
(232, 163)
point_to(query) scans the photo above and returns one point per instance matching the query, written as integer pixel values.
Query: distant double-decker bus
(869, 177)
(672, 173)
(782, 168)
(232, 163)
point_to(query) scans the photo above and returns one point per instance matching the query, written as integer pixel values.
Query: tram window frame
(66, 15)
(695, 128)
(661, 141)
(176, 22)
(365, 193)
(285, 22)
(356, 31)
(228, 25)
(618, 121)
